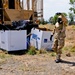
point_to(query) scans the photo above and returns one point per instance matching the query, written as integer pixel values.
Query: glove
(51, 37)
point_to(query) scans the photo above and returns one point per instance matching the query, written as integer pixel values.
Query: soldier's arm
(52, 34)
(29, 34)
(53, 31)
(56, 25)
(65, 21)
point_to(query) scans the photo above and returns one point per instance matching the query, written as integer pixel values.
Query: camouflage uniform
(59, 39)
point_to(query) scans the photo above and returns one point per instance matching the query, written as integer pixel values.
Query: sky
(53, 6)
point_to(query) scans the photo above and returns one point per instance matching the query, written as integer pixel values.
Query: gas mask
(60, 21)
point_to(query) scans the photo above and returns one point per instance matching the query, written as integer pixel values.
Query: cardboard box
(40, 39)
(14, 40)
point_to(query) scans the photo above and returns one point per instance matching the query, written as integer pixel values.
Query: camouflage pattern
(58, 44)
(59, 38)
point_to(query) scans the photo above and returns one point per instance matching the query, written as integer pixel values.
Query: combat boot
(58, 58)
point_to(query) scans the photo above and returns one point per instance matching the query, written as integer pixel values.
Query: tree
(43, 21)
(72, 3)
(72, 10)
(53, 20)
(65, 14)
(71, 17)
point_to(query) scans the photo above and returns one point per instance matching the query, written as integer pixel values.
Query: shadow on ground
(20, 52)
(68, 62)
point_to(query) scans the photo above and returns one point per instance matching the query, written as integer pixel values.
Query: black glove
(51, 37)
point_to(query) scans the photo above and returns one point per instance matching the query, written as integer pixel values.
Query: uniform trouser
(57, 46)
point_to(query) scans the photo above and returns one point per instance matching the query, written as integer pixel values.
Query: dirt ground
(40, 64)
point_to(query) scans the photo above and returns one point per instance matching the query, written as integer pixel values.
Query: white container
(41, 39)
(13, 40)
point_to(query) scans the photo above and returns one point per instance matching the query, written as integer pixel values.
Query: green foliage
(72, 1)
(72, 10)
(53, 54)
(32, 51)
(65, 14)
(53, 20)
(71, 16)
(42, 51)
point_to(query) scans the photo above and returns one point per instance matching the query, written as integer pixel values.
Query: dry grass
(3, 55)
(70, 27)
(69, 49)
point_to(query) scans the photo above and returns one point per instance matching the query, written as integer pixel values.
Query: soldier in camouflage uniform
(59, 37)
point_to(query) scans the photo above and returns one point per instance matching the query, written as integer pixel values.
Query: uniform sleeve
(64, 28)
(57, 25)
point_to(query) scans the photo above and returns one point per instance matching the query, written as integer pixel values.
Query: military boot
(58, 58)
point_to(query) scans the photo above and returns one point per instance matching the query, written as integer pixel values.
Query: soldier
(59, 36)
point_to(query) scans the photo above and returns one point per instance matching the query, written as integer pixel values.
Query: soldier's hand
(51, 37)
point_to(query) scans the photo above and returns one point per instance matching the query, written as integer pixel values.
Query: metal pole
(28, 5)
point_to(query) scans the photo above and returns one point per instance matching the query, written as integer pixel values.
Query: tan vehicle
(15, 10)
